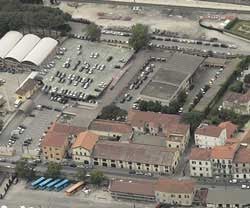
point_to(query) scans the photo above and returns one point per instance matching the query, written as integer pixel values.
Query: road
(192, 4)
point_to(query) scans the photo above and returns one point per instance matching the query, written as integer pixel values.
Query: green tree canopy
(96, 177)
(24, 170)
(193, 118)
(94, 32)
(140, 36)
(112, 112)
(53, 170)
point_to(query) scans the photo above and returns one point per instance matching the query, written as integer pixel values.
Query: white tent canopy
(8, 41)
(23, 47)
(41, 51)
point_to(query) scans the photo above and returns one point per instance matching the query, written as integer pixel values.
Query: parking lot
(82, 69)
(26, 135)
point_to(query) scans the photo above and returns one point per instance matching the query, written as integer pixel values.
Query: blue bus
(43, 184)
(62, 185)
(35, 183)
(51, 185)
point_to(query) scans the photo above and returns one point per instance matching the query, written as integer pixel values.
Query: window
(172, 195)
(147, 165)
(113, 165)
(58, 158)
(243, 164)
(138, 163)
(104, 160)
(199, 163)
(206, 163)
(51, 155)
(206, 169)
(193, 168)
(57, 153)
(179, 196)
(130, 163)
(156, 166)
(81, 153)
(193, 162)
(200, 168)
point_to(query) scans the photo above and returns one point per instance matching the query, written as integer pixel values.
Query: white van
(17, 103)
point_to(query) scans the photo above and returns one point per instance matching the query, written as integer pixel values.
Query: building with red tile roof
(177, 134)
(83, 146)
(208, 136)
(200, 162)
(109, 128)
(174, 191)
(230, 128)
(54, 146)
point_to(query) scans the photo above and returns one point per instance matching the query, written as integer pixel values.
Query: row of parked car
(191, 41)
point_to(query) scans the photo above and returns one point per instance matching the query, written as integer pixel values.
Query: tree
(247, 79)
(24, 170)
(94, 32)
(140, 36)
(96, 177)
(112, 112)
(81, 174)
(193, 118)
(237, 86)
(53, 170)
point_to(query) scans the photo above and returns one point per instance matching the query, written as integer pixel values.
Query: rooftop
(242, 155)
(229, 126)
(134, 153)
(145, 188)
(224, 152)
(200, 154)
(139, 118)
(208, 130)
(110, 126)
(28, 85)
(237, 97)
(55, 139)
(175, 186)
(65, 128)
(150, 140)
(86, 140)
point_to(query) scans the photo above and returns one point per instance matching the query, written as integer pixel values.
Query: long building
(136, 157)
(24, 52)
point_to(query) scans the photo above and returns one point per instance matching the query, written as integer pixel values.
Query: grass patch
(240, 28)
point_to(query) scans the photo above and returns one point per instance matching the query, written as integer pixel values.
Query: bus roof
(75, 186)
(52, 183)
(61, 183)
(39, 180)
(45, 182)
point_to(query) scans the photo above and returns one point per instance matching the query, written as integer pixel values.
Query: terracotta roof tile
(86, 140)
(242, 155)
(229, 126)
(224, 152)
(110, 126)
(175, 186)
(209, 130)
(139, 118)
(66, 128)
(200, 154)
(54, 139)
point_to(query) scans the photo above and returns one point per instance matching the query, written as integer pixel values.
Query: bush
(94, 32)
